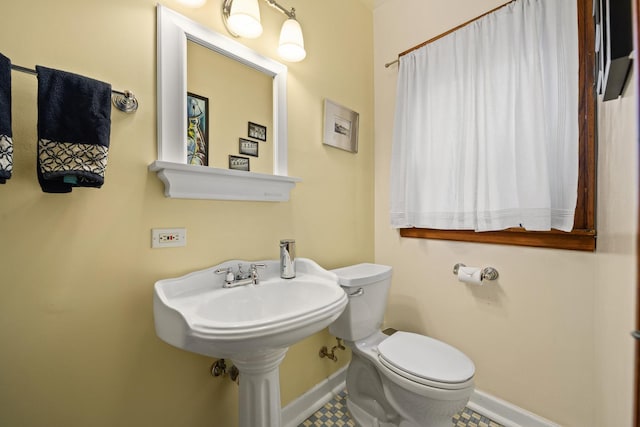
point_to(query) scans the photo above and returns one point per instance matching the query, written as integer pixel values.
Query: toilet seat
(426, 361)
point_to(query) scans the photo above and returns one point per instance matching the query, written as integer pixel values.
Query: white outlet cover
(168, 237)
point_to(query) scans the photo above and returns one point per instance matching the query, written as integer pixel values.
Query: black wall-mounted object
(614, 45)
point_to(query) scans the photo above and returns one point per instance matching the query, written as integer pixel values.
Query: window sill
(577, 240)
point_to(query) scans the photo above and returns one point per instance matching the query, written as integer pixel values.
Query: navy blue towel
(6, 136)
(74, 125)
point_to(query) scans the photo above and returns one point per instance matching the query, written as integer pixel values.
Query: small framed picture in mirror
(197, 130)
(239, 163)
(257, 131)
(248, 147)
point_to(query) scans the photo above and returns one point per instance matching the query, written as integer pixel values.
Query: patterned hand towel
(6, 136)
(74, 124)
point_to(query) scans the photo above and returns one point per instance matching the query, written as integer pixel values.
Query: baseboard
(494, 408)
(306, 405)
(505, 413)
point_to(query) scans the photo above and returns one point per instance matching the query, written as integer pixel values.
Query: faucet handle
(228, 272)
(254, 272)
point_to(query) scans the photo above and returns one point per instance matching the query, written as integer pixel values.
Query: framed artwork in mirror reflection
(248, 147)
(239, 163)
(257, 131)
(197, 130)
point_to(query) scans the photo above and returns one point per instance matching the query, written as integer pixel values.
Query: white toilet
(398, 380)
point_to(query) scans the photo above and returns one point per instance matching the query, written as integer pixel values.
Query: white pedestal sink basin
(253, 325)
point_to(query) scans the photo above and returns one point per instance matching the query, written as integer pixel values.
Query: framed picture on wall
(239, 163)
(248, 147)
(614, 44)
(340, 127)
(197, 130)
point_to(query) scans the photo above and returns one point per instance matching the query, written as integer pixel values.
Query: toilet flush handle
(357, 293)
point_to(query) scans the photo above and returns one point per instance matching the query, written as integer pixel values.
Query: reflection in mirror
(217, 181)
(232, 107)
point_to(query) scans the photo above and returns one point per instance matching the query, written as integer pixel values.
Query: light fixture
(192, 3)
(291, 46)
(242, 19)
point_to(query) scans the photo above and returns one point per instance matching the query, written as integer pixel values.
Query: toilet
(398, 380)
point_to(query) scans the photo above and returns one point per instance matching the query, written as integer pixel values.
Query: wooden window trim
(583, 235)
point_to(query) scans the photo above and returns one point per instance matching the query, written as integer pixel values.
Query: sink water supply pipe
(331, 355)
(219, 369)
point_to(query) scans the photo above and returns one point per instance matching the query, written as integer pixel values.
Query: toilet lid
(425, 358)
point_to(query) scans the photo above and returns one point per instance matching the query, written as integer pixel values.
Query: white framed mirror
(183, 180)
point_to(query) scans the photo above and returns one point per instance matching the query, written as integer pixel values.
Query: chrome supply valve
(218, 368)
(331, 354)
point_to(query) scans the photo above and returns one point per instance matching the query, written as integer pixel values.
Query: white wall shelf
(202, 182)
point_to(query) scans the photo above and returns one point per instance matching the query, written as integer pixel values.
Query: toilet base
(432, 412)
(362, 418)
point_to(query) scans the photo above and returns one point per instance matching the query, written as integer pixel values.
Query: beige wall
(77, 271)
(552, 334)
(615, 295)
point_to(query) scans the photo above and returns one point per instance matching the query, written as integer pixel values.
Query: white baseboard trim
(306, 405)
(494, 408)
(505, 413)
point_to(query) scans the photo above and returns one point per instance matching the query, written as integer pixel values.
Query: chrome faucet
(287, 258)
(240, 278)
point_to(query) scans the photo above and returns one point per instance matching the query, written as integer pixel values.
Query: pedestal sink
(253, 325)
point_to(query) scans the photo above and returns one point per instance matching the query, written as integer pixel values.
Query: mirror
(182, 180)
(229, 109)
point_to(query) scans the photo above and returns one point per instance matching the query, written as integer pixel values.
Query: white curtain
(486, 124)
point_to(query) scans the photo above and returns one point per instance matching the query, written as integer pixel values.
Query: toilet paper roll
(471, 275)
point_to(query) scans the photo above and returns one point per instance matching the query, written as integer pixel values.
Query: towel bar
(124, 101)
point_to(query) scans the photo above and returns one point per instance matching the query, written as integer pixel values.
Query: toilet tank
(367, 286)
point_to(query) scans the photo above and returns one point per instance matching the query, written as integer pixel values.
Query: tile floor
(334, 414)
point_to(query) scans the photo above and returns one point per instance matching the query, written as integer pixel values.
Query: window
(583, 235)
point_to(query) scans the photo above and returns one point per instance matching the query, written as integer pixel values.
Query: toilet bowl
(398, 380)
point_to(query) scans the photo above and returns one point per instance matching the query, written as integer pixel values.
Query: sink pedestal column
(259, 389)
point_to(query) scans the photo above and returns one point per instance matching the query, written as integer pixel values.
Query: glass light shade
(291, 42)
(192, 3)
(244, 18)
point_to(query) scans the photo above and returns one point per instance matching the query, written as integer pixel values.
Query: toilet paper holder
(488, 273)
